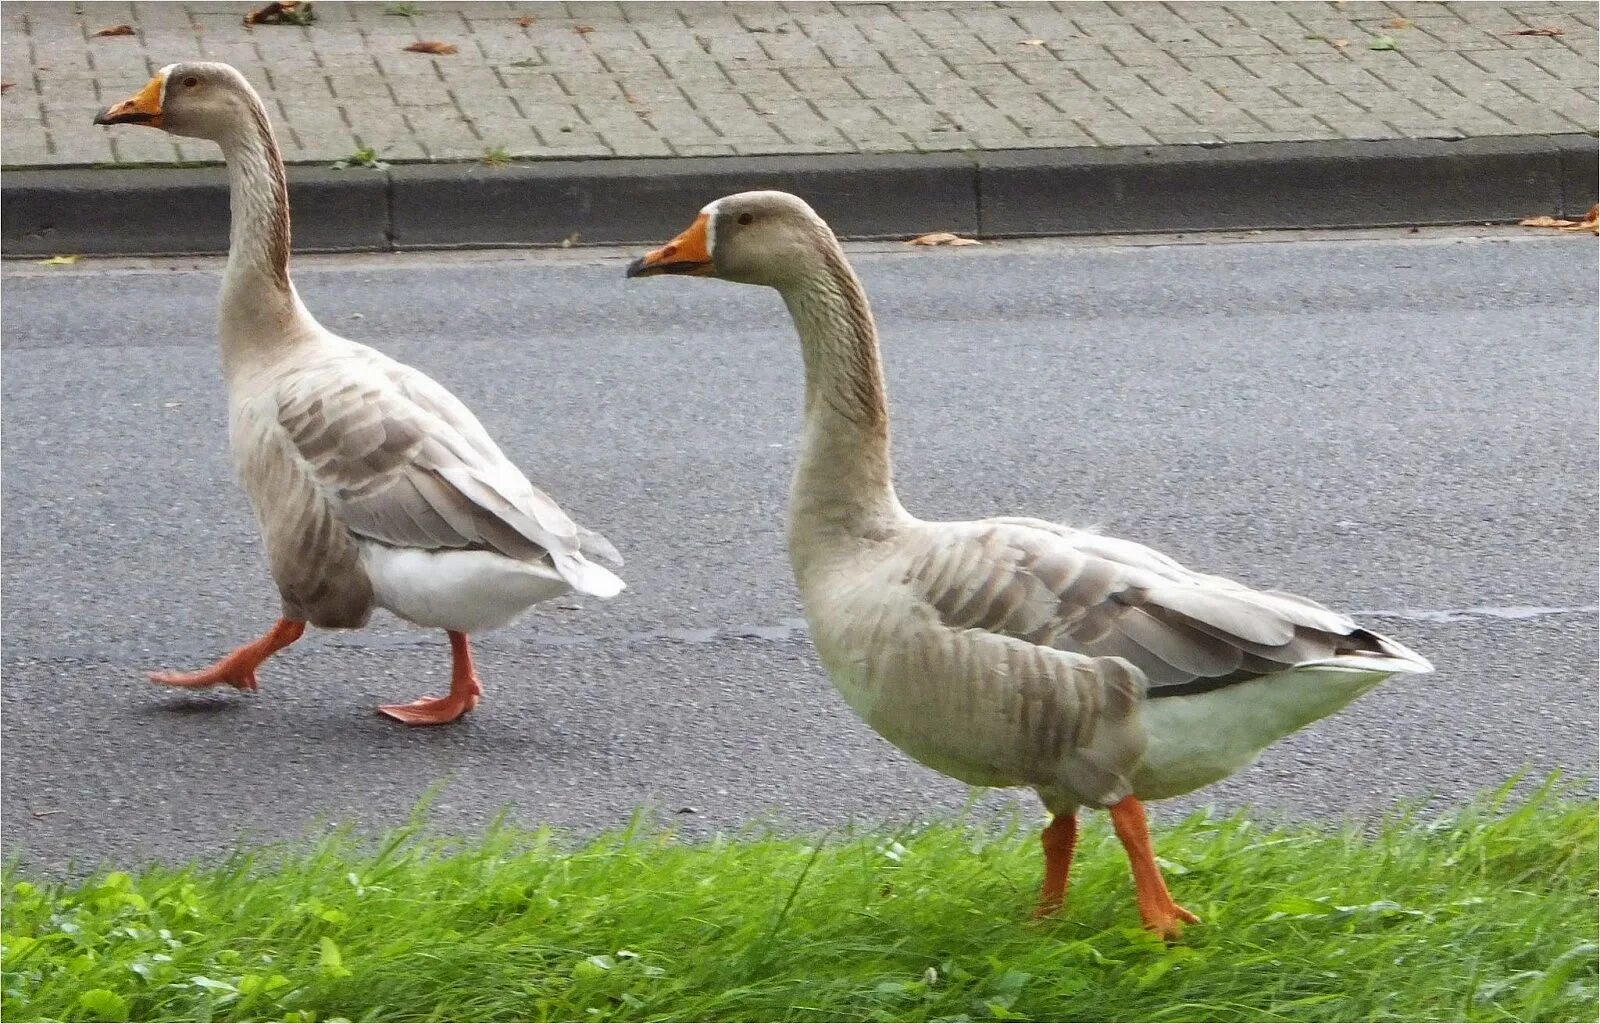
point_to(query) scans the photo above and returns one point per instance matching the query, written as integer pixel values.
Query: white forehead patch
(709, 211)
(165, 75)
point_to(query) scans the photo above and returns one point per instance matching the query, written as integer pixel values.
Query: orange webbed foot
(432, 710)
(238, 669)
(1167, 922)
(216, 675)
(463, 695)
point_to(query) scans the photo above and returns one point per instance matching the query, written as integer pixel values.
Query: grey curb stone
(169, 211)
(1023, 192)
(1580, 173)
(102, 211)
(636, 201)
(340, 209)
(1250, 186)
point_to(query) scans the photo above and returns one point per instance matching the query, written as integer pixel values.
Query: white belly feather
(467, 591)
(1200, 738)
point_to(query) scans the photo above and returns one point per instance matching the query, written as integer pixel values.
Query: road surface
(1403, 427)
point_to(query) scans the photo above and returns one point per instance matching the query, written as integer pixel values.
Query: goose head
(768, 238)
(198, 99)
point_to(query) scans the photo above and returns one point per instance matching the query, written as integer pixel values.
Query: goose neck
(843, 484)
(259, 306)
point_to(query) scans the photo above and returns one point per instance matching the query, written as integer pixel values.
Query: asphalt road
(1404, 427)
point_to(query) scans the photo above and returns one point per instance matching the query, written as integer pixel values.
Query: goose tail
(1380, 654)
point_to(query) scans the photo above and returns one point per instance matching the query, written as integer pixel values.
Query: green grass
(1488, 914)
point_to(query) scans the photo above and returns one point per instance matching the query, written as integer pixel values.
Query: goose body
(374, 487)
(416, 508)
(1014, 651)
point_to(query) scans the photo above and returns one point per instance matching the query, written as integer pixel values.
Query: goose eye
(190, 82)
(745, 218)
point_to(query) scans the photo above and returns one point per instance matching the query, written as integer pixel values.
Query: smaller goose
(1014, 651)
(374, 486)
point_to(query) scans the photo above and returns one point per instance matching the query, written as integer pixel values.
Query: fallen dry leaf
(116, 30)
(282, 12)
(59, 261)
(432, 46)
(526, 20)
(943, 238)
(1589, 223)
(1339, 44)
(6, 86)
(1548, 31)
(583, 30)
(1397, 23)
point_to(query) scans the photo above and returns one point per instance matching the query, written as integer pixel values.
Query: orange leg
(1156, 907)
(463, 695)
(1059, 838)
(239, 668)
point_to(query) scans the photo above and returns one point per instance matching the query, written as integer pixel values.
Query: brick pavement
(601, 79)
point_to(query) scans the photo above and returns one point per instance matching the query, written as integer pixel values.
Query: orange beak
(689, 253)
(143, 107)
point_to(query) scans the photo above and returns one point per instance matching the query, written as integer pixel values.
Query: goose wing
(1076, 591)
(404, 463)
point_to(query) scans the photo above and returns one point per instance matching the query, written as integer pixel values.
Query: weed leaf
(104, 1004)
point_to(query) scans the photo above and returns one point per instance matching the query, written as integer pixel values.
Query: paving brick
(1115, 130)
(1321, 99)
(130, 149)
(827, 83)
(1276, 71)
(1341, 72)
(1358, 128)
(1509, 68)
(1254, 97)
(1536, 118)
(885, 84)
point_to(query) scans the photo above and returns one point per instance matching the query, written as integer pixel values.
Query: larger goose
(1014, 651)
(373, 486)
